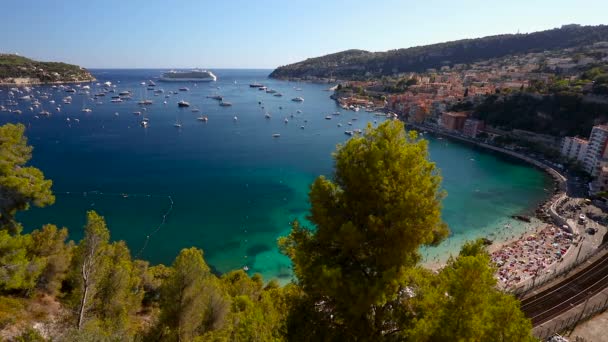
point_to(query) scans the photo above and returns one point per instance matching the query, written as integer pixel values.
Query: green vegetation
(358, 64)
(558, 107)
(358, 272)
(15, 66)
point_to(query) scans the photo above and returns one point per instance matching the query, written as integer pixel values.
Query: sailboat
(177, 124)
(143, 100)
(144, 121)
(84, 108)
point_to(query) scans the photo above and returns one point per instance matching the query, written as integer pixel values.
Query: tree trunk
(83, 301)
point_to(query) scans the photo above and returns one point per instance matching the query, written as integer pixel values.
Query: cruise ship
(197, 75)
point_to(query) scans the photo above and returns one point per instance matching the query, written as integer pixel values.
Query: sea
(230, 186)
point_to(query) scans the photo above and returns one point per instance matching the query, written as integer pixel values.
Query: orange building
(453, 121)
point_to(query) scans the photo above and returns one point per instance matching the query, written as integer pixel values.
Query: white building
(595, 149)
(574, 148)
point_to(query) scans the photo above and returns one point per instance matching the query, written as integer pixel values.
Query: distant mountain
(15, 69)
(360, 64)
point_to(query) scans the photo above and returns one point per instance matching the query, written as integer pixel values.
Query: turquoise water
(228, 186)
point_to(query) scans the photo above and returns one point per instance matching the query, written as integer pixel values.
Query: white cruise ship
(197, 75)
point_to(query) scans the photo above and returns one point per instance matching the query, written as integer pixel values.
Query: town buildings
(453, 121)
(596, 149)
(472, 127)
(574, 148)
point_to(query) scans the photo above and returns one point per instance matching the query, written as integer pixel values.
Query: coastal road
(572, 291)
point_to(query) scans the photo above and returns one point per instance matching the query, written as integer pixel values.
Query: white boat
(177, 125)
(203, 118)
(197, 75)
(267, 115)
(183, 103)
(328, 117)
(348, 132)
(276, 135)
(286, 121)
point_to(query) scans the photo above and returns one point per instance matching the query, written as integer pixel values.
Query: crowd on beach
(531, 255)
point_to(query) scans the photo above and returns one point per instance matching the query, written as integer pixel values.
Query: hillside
(359, 64)
(15, 69)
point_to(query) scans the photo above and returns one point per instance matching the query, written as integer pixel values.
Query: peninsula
(365, 65)
(19, 70)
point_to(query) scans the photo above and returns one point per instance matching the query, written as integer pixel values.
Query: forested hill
(19, 69)
(359, 64)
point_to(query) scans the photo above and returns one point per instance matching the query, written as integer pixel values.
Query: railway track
(574, 290)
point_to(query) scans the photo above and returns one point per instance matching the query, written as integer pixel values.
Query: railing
(592, 306)
(562, 269)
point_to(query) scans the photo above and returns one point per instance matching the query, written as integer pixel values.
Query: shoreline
(544, 213)
(26, 84)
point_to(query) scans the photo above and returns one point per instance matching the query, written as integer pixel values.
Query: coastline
(544, 213)
(29, 83)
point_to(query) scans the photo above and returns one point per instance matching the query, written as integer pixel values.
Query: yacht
(203, 118)
(225, 104)
(276, 135)
(216, 97)
(297, 99)
(183, 103)
(197, 75)
(348, 132)
(182, 89)
(256, 85)
(267, 115)
(328, 117)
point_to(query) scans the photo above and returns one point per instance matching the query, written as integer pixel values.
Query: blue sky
(261, 33)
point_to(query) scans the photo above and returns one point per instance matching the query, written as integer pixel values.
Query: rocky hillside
(15, 69)
(359, 64)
